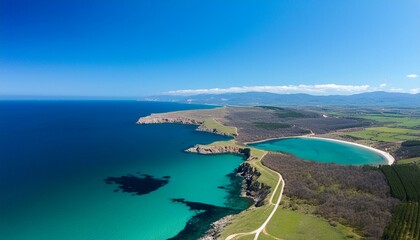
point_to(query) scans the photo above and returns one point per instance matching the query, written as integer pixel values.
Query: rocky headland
(163, 118)
(155, 119)
(214, 149)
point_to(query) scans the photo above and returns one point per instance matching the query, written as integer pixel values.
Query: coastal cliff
(203, 125)
(251, 187)
(212, 149)
(152, 119)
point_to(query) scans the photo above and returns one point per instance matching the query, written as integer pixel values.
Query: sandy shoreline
(389, 159)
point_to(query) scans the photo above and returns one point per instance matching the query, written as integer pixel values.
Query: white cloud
(415, 90)
(396, 90)
(382, 85)
(412, 76)
(319, 89)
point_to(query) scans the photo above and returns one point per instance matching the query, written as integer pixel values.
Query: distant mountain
(263, 98)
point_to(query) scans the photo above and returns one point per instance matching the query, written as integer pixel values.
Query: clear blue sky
(137, 48)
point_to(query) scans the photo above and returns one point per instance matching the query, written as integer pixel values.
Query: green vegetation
(415, 160)
(404, 176)
(247, 221)
(216, 126)
(404, 179)
(395, 121)
(386, 134)
(411, 143)
(231, 143)
(397, 188)
(287, 224)
(405, 223)
(271, 126)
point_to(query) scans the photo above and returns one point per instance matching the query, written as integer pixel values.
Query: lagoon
(323, 150)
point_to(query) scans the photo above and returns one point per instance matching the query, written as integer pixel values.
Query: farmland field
(386, 134)
(396, 121)
(404, 179)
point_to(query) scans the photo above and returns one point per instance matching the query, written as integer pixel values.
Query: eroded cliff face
(210, 149)
(155, 120)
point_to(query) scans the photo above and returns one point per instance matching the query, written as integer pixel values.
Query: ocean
(84, 170)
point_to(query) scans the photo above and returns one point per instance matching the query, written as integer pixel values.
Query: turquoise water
(55, 156)
(323, 150)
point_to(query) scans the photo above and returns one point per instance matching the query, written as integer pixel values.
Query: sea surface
(323, 150)
(84, 170)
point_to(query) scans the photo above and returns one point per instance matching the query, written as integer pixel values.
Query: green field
(288, 224)
(395, 121)
(415, 160)
(248, 220)
(386, 134)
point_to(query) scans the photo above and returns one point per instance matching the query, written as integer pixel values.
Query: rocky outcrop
(211, 149)
(252, 188)
(153, 119)
(216, 228)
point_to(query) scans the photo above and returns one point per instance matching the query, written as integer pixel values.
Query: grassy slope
(288, 224)
(211, 123)
(248, 220)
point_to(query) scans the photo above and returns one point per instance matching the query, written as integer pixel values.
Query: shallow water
(323, 150)
(57, 157)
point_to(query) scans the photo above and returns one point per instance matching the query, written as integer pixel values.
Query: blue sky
(136, 48)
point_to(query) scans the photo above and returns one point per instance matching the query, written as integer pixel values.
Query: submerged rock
(200, 223)
(138, 185)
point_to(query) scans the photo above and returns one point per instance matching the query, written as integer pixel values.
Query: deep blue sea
(84, 170)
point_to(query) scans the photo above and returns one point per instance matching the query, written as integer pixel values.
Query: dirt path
(258, 231)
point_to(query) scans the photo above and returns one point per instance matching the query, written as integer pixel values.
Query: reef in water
(137, 185)
(201, 222)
